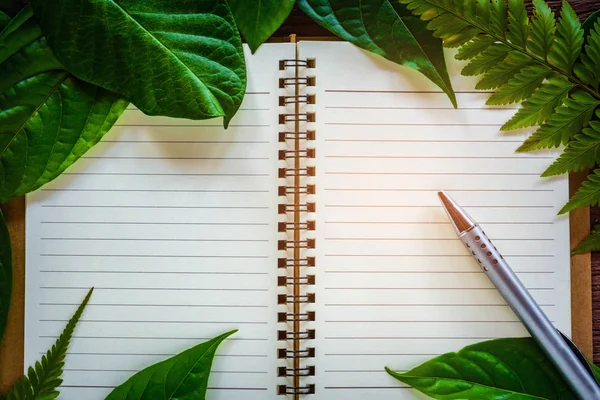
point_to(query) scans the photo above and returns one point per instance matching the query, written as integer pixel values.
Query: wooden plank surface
(11, 349)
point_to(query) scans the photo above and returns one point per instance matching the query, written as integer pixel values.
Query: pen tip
(459, 218)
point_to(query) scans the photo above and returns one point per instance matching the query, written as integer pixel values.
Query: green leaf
(504, 71)
(590, 243)
(498, 17)
(258, 20)
(37, 139)
(4, 20)
(588, 24)
(588, 68)
(5, 274)
(540, 106)
(43, 379)
(581, 152)
(542, 29)
(566, 122)
(177, 58)
(368, 26)
(184, 376)
(474, 47)
(587, 195)
(486, 60)
(569, 39)
(513, 368)
(518, 23)
(521, 86)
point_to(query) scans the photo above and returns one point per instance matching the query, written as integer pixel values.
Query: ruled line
(407, 91)
(152, 206)
(156, 223)
(151, 272)
(154, 289)
(155, 190)
(84, 239)
(151, 256)
(114, 321)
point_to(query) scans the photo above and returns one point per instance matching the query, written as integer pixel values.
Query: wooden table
(11, 349)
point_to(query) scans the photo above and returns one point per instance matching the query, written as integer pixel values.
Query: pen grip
(529, 312)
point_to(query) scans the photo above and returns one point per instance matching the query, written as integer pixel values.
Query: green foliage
(43, 379)
(48, 118)
(367, 25)
(590, 243)
(176, 58)
(4, 20)
(184, 376)
(553, 67)
(513, 368)
(5, 274)
(259, 20)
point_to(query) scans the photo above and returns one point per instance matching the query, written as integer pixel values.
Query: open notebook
(312, 225)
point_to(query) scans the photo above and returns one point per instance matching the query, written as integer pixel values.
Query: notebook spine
(296, 296)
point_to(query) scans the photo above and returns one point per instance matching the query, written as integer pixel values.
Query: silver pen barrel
(521, 302)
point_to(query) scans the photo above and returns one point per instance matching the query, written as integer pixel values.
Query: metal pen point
(565, 356)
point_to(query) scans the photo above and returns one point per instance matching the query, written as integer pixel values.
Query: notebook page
(174, 223)
(394, 286)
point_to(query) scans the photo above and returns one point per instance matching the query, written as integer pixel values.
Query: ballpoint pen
(565, 356)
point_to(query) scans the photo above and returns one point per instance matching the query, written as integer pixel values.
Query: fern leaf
(473, 48)
(518, 23)
(540, 106)
(582, 152)
(485, 61)
(42, 381)
(569, 39)
(504, 71)
(542, 29)
(590, 243)
(521, 86)
(498, 18)
(566, 122)
(588, 69)
(587, 195)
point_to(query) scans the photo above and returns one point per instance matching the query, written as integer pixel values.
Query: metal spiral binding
(295, 297)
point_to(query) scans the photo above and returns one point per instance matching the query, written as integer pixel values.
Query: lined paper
(394, 285)
(174, 224)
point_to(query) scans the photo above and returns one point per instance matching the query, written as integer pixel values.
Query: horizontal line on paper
(431, 239)
(435, 222)
(427, 288)
(446, 157)
(155, 190)
(438, 173)
(402, 124)
(152, 338)
(156, 354)
(435, 190)
(436, 255)
(422, 141)
(407, 91)
(114, 321)
(357, 370)
(380, 354)
(151, 272)
(423, 206)
(427, 272)
(134, 370)
(149, 256)
(423, 321)
(157, 305)
(422, 305)
(96, 288)
(180, 158)
(157, 223)
(153, 239)
(187, 141)
(410, 338)
(155, 174)
(112, 387)
(193, 125)
(418, 108)
(151, 206)
(367, 387)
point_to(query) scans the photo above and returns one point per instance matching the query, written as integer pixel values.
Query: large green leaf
(43, 379)
(178, 58)
(590, 243)
(258, 20)
(587, 195)
(48, 118)
(385, 28)
(588, 24)
(182, 377)
(5, 274)
(514, 369)
(4, 20)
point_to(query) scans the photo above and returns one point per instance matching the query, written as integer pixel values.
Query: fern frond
(486, 60)
(588, 69)
(504, 71)
(587, 195)
(498, 18)
(566, 122)
(521, 86)
(474, 47)
(542, 29)
(518, 23)
(590, 243)
(42, 380)
(582, 152)
(540, 106)
(569, 39)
